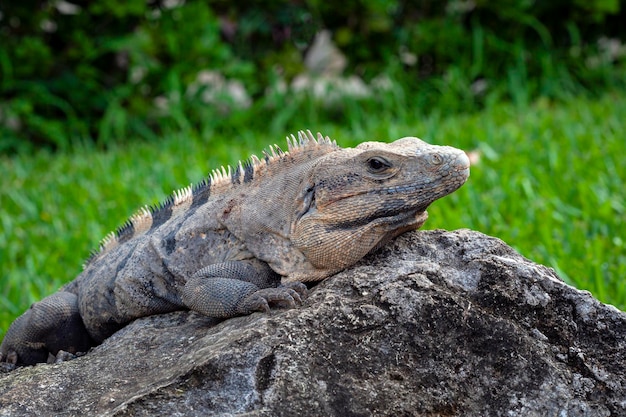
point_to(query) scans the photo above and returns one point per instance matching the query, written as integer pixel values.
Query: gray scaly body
(242, 241)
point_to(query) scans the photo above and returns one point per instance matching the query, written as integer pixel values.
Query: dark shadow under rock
(435, 323)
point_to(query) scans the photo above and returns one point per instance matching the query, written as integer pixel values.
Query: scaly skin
(241, 242)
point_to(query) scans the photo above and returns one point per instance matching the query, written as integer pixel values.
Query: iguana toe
(8, 362)
(262, 299)
(298, 287)
(63, 356)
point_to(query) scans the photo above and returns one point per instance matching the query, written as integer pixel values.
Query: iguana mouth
(390, 220)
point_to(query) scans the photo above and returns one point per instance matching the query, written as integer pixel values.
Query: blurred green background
(109, 105)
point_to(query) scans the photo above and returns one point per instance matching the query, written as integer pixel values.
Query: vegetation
(111, 71)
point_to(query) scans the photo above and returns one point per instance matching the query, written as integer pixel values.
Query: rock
(323, 57)
(323, 79)
(213, 88)
(435, 323)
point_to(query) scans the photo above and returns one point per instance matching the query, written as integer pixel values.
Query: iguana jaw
(411, 222)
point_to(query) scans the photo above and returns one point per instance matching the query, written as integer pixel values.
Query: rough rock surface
(436, 323)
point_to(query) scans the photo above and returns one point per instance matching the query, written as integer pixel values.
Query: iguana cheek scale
(243, 240)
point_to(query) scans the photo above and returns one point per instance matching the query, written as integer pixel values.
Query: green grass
(550, 182)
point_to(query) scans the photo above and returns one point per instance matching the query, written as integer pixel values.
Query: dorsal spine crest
(183, 195)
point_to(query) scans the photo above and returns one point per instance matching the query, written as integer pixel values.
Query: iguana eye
(436, 159)
(377, 165)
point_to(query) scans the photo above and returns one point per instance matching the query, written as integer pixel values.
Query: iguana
(243, 239)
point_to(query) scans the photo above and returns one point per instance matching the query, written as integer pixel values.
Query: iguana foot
(49, 325)
(6, 367)
(287, 296)
(8, 362)
(63, 356)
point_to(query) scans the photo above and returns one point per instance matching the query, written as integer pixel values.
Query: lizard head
(357, 199)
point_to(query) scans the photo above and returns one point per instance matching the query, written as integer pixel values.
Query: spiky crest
(218, 180)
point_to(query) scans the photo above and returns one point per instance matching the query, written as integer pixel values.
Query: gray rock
(436, 323)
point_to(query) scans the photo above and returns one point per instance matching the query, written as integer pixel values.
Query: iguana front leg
(236, 288)
(51, 326)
